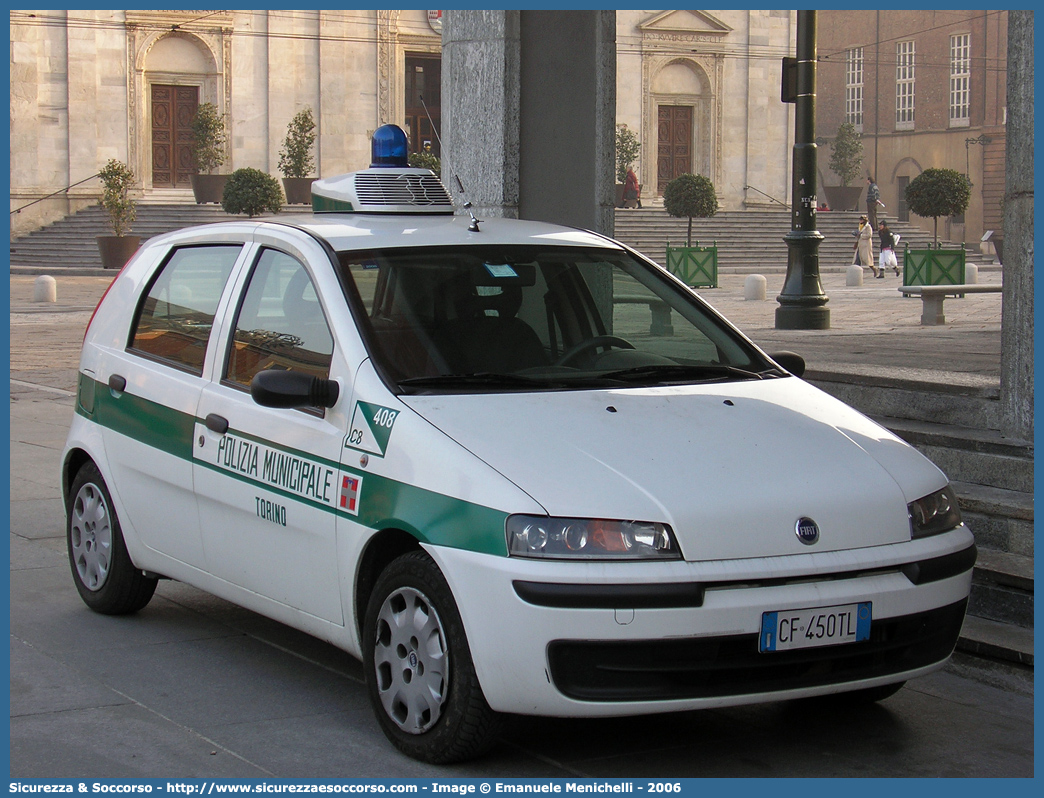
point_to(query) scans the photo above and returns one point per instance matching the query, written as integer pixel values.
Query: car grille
(707, 667)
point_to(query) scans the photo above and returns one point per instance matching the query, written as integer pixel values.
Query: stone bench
(661, 312)
(932, 297)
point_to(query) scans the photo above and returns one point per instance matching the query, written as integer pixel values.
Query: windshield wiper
(682, 373)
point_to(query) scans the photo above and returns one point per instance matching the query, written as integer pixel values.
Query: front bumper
(597, 639)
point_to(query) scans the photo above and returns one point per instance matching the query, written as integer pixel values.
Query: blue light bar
(389, 148)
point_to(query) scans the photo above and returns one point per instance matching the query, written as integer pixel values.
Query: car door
(147, 392)
(267, 478)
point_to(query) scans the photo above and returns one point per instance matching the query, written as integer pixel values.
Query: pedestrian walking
(873, 199)
(864, 247)
(632, 191)
(888, 242)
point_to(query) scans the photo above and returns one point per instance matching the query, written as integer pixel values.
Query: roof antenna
(474, 226)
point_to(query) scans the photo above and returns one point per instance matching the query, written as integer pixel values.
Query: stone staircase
(748, 241)
(751, 241)
(70, 242)
(955, 423)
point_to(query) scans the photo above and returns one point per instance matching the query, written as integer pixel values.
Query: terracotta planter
(115, 251)
(298, 190)
(208, 188)
(843, 198)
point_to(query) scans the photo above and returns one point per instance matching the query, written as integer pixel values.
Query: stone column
(529, 106)
(480, 109)
(568, 110)
(1016, 394)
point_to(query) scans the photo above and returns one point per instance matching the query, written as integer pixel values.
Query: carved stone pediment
(682, 25)
(190, 20)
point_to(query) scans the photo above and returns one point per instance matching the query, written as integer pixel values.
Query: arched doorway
(176, 72)
(681, 108)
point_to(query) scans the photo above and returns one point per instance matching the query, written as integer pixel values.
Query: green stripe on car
(383, 502)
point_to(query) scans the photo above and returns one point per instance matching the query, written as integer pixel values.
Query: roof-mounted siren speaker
(390, 185)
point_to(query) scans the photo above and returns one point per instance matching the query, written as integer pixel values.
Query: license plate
(818, 626)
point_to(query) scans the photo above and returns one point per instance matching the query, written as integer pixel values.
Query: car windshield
(523, 318)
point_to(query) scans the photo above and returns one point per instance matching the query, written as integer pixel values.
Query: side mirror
(276, 388)
(791, 361)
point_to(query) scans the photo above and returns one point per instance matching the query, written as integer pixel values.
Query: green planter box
(933, 266)
(695, 266)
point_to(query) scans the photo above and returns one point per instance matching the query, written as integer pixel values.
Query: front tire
(104, 575)
(419, 674)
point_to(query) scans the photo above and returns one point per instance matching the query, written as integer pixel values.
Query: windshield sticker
(500, 270)
(371, 428)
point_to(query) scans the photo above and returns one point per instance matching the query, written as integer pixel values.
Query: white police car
(513, 467)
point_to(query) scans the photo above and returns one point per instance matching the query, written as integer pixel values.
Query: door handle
(216, 423)
(117, 383)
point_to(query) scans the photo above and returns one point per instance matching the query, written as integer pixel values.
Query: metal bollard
(45, 289)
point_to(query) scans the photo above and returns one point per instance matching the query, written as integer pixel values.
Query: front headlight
(589, 538)
(937, 512)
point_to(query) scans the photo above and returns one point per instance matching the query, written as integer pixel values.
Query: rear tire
(105, 577)
(419, 673)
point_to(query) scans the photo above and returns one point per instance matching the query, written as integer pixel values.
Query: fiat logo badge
(807, 531)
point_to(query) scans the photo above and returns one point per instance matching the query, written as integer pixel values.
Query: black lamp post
(802, 303)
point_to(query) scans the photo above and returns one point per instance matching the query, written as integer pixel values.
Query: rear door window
(174, 320)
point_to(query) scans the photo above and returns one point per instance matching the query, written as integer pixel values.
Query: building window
(960, 77)
(854, 88)
(423, 102)
(904, 85)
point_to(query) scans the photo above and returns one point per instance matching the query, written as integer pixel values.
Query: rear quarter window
(176, 314)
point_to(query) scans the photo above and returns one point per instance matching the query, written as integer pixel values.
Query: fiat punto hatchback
(513, 467)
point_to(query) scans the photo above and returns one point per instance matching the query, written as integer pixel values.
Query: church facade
(701, 90)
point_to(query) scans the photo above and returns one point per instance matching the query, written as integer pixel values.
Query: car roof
(348, 231)
(345, 231)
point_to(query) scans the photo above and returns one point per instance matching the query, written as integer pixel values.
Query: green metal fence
(933, 266)
(695, 266)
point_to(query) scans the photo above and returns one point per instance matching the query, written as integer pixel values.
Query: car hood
(731, 467)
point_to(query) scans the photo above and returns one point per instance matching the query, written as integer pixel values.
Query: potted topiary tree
(252, 192)
(692, 196)
(846, 156)
(115, 250)
(627, 148)
(426, 159)
(208, 151)
(295, 159)
(935, 193)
